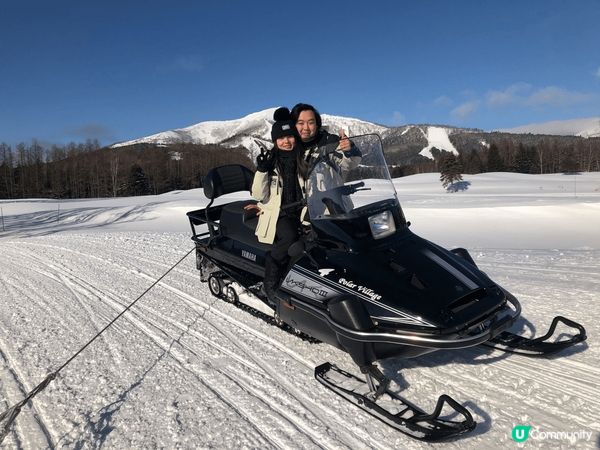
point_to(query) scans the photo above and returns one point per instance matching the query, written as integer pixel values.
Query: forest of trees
(81, 170)
(516, 153)
(87, 170)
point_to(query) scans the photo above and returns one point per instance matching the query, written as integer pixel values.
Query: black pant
(285, 235)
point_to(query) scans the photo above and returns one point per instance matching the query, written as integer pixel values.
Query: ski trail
(263, 376)
(29, 428)
(71, 279)
(306, 403)
(97, 318)
(193, 300)
(117, 304)
(118, 307)
(161, 340)
(196, 302)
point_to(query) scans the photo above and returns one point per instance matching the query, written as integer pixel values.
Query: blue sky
(114, 71)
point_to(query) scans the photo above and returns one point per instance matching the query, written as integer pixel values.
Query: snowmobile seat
(234, 221)
(239, 224)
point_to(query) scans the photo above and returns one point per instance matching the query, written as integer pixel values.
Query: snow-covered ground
(185, 370)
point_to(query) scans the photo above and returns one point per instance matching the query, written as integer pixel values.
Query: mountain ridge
(583, 127)
(411, 141)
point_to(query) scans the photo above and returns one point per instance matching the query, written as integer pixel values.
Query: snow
(588, 127)
(437, 137)
(185, 370)
(243, 131)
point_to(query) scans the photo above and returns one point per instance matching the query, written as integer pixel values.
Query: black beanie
(284, 125)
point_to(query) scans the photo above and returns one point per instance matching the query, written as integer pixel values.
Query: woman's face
(286, 143)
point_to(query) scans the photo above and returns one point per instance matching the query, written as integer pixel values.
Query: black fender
(351, 312)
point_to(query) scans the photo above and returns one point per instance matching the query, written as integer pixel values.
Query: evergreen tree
(450, 170)
(495, 162)
(138, 181)
(525, 159)
(473, 163)
(568, 163)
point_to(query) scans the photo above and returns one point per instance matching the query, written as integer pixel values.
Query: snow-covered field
(185, 370)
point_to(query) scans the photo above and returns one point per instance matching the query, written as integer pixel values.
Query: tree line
(84, 170)
(513, 153)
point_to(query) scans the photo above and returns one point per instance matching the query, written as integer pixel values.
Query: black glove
(265, 161)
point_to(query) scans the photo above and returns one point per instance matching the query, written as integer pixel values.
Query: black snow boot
(272, 277)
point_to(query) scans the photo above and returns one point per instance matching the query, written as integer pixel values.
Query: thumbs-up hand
(344, 144)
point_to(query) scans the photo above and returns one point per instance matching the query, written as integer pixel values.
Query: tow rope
(11, 413)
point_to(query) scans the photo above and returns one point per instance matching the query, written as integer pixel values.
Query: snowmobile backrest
(227, 179)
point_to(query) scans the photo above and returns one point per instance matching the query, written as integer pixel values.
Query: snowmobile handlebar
(333, 197)
(350, 189)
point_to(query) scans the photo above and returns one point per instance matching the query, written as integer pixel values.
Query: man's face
(306, 125)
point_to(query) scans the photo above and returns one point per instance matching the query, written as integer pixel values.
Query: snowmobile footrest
(513, 343)
(394, 410)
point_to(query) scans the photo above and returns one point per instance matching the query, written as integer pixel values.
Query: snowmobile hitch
(513, 343)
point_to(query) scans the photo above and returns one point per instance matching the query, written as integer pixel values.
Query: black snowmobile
(360, 280)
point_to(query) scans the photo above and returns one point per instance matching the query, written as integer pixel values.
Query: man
(313, 136)
(314, 139)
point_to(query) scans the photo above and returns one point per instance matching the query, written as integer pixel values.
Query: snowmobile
(360, 280)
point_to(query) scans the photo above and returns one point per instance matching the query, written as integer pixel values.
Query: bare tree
(114, 171)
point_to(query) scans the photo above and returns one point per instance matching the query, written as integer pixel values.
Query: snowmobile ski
(394, 410)
(513, 343)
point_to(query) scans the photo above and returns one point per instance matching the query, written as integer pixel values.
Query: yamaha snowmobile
(360, 280)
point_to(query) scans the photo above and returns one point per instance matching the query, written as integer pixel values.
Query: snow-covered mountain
(589, 127)
(257, 126)
(408, 143)
(244, 131)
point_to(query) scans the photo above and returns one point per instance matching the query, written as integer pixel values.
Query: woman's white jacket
(267, 188)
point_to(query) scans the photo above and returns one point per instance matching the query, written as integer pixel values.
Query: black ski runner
(395, 410)
(513, 343)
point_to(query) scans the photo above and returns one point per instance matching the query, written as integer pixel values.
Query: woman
(279, 188)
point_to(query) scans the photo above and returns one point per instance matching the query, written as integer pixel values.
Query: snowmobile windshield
(351, 184)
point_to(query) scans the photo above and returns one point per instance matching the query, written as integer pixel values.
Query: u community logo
(520, 433)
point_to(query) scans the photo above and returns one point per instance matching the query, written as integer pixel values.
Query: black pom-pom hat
(284, 125)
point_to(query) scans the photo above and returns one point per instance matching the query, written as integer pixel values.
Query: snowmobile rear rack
(513, 343)
(396, 411)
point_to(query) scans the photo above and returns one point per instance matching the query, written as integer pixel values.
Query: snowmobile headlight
(382, 225)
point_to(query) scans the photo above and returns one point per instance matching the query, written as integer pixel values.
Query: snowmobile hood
(410, 281)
